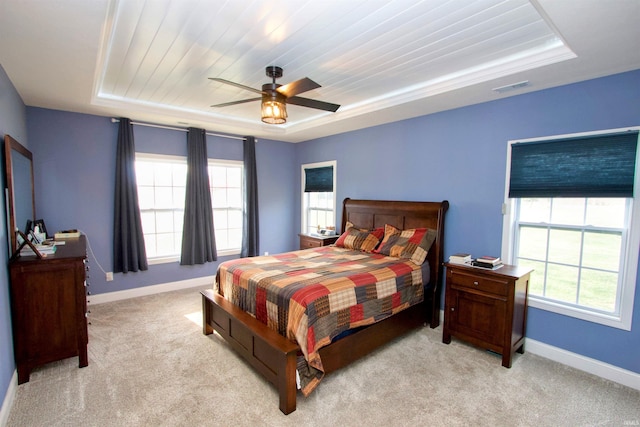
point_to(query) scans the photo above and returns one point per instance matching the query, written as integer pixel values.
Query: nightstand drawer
(309, 241)
(306, 243)
(479, 283)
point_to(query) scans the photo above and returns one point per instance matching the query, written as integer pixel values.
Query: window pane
(164, 222)
(165, 244)
(144, 173)
(235, 238)
(235, 219)
(606, 212)
(220, 219)
(533, 243)
(161, 175)
(163, 198)
(222, 240)
(602, 250)
(179, 175)
(146, 199)
(148, 220)
(234, 198)
(536, 280)
(568, 211)
(562, 283)
(219, 197)
(598, 290)
(234, 177)
(535, 210)
(313, 218)
(150, 245)
(179, 197)
(218, 176)
(564, 246)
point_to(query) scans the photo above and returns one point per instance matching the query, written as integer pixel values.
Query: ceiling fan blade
(216, 79)
(299, 86)
(312, 103)
(226, 104)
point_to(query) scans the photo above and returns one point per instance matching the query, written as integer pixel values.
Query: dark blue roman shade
(318, 180)
(591, 166)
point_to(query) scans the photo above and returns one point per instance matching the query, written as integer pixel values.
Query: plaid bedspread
(311, 296)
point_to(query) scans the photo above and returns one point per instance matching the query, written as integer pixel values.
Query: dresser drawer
(479, 283)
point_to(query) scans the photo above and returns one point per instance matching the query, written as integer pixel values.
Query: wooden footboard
(269, 353)
(274, 356)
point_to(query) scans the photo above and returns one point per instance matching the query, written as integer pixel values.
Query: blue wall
(448, 155)
(460, 155)
(13, 121)
(74, 161)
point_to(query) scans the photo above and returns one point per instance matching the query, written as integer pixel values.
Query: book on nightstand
(460, 258)
(490, 262)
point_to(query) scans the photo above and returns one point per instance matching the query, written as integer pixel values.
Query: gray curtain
(129, 253)
(250, 230)
(198, 239)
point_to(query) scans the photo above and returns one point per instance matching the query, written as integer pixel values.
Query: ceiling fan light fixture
(274, 108)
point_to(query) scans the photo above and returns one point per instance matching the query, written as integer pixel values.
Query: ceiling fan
(275, 97)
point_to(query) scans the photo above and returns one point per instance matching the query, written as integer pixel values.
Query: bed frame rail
(268, 352)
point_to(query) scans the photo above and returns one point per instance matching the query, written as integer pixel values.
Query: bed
(279, 358)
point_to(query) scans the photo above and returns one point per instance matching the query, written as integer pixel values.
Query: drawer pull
(453, 309)
(475, 283)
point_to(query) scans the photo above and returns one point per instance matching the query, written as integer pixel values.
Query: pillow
(359, 239)
(413, 244)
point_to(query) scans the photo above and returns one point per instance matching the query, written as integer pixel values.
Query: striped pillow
(413, 244)
(359, 239)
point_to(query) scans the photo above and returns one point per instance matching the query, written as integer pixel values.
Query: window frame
(303, 215)
(183, 160)
(630, 256)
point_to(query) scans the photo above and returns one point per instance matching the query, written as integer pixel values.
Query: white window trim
(183, 159)
(630, 263)
(303, 214)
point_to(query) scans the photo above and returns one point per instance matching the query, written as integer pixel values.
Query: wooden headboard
(404, 215)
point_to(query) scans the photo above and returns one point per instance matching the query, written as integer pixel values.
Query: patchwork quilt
(313, 295)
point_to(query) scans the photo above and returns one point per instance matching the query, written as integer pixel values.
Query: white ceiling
(382, 61)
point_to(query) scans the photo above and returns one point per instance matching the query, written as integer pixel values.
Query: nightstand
(312, 241)
(487, 308)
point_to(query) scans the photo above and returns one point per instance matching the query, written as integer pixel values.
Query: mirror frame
(12, 146)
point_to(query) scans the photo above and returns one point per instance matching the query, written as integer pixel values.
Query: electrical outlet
(109, 276)
(266, 253)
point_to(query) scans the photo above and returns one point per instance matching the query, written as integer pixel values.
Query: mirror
(21, 204)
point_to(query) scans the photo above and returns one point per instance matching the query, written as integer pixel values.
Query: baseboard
(150, 290)
(586, 364)
(577, 361)
(8, 399)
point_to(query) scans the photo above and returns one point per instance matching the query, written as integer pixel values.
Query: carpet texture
(150, 365)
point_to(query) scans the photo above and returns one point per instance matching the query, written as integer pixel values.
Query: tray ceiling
(381, 61)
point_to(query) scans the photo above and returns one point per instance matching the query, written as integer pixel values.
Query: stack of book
(463, 259)
(487, 262)
(42, 248)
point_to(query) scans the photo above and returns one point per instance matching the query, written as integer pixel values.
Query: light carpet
(150, 365)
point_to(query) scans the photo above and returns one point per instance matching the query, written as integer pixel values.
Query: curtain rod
(151, 125)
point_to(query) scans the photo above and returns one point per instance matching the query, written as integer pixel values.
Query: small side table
(313, 241)
(487, 308)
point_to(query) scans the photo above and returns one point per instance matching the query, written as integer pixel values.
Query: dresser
(487, 308)
(48, 306)
(315, 241)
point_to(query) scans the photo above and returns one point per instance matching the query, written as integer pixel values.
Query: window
(318, 196)
(580, 232)
(225, 180)
(161, 195)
